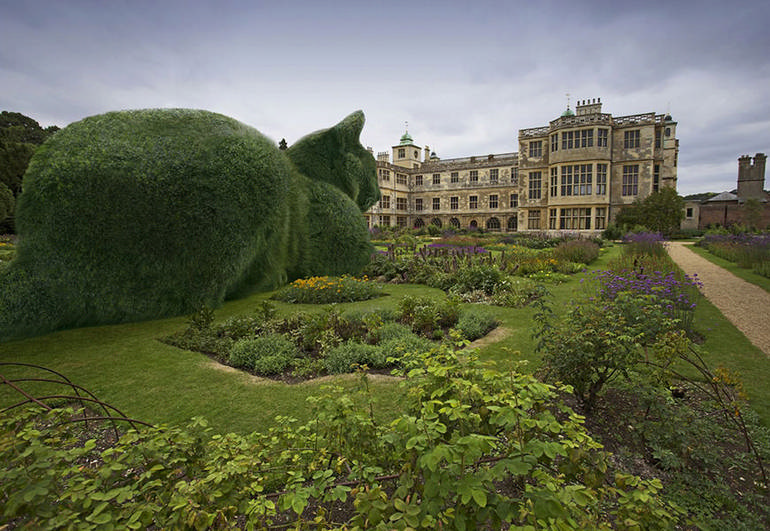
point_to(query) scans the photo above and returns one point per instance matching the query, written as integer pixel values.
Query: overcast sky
(465, 75)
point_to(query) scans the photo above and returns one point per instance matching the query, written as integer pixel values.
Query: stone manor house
(573, 174)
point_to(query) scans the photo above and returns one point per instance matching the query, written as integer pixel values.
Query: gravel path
(745, 305)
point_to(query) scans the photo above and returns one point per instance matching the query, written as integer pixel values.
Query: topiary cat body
(136, 215)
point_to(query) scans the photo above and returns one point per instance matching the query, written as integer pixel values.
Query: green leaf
(480, 497)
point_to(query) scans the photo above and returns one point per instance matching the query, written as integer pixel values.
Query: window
(384, 175)
(514, 176)
(473, 202)
(656, 178)
(533, 219)
(554, 182)
(418, 204)
(535, 183)
(514, 200)
(689, 212)
(454, 177)
(554, 141)
(436, 203)
(493, 175)
(630, 180)
(418, 180)
(513, 223)
(567, 140)
(600, 218)
(585, 180)
(587, 138)
(631, 139)
(657, 138)
(418, 223)
(536, 148)
(436, 178)
(575, 219)
(454, 203)
(436, 222)
(385, 221)
(416, 154)
(493, 224)
(401, 203)
(668, 131)
(400, 178)
(454, 222)
(601, 137)
(401, 221)
(401, 153)
(493, 201)
(552, 218)
(385, 201)
(566, 180)
(474, 176)
(601, 179)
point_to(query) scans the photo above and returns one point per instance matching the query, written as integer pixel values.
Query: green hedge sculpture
(136, 215)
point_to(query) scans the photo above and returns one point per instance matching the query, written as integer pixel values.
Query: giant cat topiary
(136, 215)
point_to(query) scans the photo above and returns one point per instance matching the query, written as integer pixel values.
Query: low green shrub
(515, 292)
(427, 316)
(542, 277)
(343, 358)
(406, 345)
(474, 324)
(390, 331)
(266, 355)
(484, 277)
(580, 251)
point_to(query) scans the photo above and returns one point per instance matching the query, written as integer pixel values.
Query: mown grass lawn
(126, 365)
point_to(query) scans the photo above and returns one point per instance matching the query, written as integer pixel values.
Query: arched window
(513, 223)
(474, 224)
(454, 222)
(419, 223)
(493, 224)
(436, 222)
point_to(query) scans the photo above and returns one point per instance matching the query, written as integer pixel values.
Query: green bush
(579, 251)
(390, 331)
(342, 358)
(482, 277)
(515, 292)
(427, 316)
(265, 355)
(140, 214)
(474, 324)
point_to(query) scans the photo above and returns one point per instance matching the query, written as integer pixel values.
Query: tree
(661, 211)
(19, 137)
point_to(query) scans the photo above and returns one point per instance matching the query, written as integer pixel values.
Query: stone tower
(751, 176)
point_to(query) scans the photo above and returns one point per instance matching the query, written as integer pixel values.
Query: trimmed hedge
(137, 215)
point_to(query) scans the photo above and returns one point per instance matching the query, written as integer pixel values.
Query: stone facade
(571, 175)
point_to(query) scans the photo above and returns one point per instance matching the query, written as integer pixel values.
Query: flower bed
(327, 290)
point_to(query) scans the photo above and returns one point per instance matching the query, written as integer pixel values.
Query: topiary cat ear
(351, 126)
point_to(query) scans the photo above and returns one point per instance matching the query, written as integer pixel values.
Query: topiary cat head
(336, 156)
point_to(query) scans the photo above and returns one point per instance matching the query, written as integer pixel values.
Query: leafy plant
(474, 324)
(579, 251)
(265, 355)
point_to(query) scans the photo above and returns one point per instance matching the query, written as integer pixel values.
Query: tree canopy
(661, 211)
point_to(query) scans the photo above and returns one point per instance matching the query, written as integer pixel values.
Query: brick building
(573, 174)
(749, 204)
